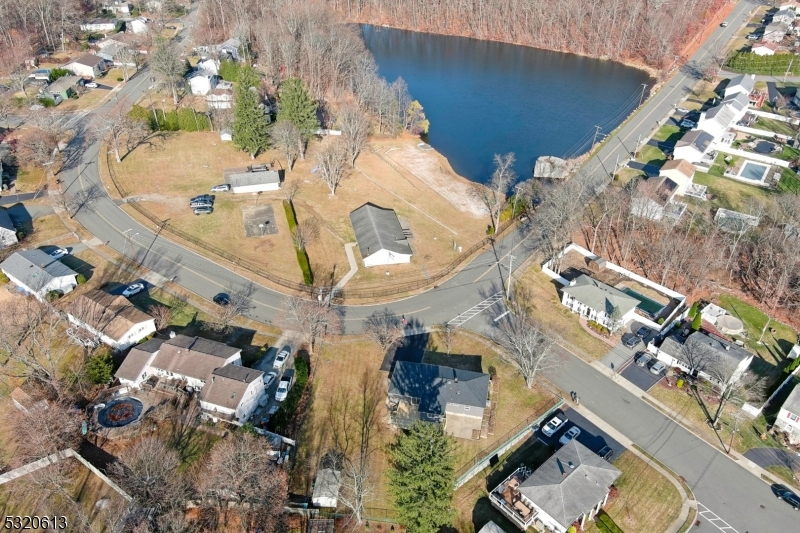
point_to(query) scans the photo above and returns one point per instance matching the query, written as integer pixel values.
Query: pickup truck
(284, 385)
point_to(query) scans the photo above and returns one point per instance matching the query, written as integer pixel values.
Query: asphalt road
(739, 498)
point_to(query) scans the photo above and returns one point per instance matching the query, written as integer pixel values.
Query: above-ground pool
(120, 412)
(753, 171)
(648, 305)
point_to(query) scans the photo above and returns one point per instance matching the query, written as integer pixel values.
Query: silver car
(657, 367)
(204, 210)
(224, 187)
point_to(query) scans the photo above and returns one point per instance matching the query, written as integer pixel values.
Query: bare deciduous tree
(167, 68)
(313, 320)
(287, 137)
(162, 314)
(43, 428)
(448, 335)
(305, 233)
(384, 328)
(331, 160)
(239, 304)
(291, 190)
(118, 129)
(355, 130)
(493, 195)
(733, 385)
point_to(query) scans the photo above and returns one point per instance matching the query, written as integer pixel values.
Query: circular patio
(730, 325)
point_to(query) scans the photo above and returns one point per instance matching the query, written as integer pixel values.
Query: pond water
(484, 97)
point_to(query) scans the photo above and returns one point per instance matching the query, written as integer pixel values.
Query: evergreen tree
(697, 323)
(297, 106)
(99, 367)
(250, 126)
(422, 478)
(693, 310)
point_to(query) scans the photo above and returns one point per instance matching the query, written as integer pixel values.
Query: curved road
(732, 499)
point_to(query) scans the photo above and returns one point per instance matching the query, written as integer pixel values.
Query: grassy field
(431, 214)
(729, 194)
(647, 501)
(547, 309)
(775, 126)
(626, 174)
(651, 155)
(668, 133)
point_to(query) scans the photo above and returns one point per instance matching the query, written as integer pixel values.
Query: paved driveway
(591, 436)
(640, 376)
(765, 457)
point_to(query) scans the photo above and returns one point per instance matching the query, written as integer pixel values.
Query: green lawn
(183, 313)
(789, 182)
(776, 126)
(730, 194)
(651, 155)
(626, 174)
(668, 133)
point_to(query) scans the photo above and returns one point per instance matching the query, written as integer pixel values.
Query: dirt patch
(259, 220)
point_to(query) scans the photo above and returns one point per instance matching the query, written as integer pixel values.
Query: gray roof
(776, 27)
(707, 344)
(785, 13)
(242, 177)
(227, 385)
(89, 60)
(745, 81)
(34, 268)
(62, 84)
(376, 229)
(437, 386)
(721, 114)
(5, 220)
(738, 101)
(193, 356)
(699, 139)
(491, 527)
(600, 296)
(134, 363)
(239, 373)
(570, 483)
(327, 484)
(792, 402)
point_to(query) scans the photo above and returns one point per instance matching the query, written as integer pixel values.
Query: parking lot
(591, 436)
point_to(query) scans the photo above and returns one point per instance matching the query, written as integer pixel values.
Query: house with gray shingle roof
(112, 319)
(571, 486)
(704, 354)
(439, 394)
(741, 84)
(381, 239)
(693, 145)
(232, 392)
(718, 119)
(8, 233)
(255, 178)
(35, 272)
(789, 416)
(599, 302)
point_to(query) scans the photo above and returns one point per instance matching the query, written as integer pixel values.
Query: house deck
(508, 500)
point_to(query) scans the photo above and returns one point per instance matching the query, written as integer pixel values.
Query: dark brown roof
(134, 363)
(228, 385)
(90, 60)
(112, 315)
(193, 356)
(660, 190)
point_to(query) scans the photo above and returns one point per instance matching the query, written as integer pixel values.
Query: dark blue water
(484, 97)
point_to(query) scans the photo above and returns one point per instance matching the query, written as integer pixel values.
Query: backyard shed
(326, 488)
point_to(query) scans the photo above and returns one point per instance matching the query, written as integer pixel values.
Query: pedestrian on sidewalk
(577, 399)
(572, 395)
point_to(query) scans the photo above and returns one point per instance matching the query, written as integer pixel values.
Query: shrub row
(280, 419)
(598, 327)
(302, 256)
(184, 119)
(753, 63)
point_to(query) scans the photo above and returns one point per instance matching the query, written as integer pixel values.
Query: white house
(111, 318)
(703, 354)
(232, 392)
(138, 25)
(655, 199)
(255, 178)
(118, 6)
(717, 120)
(201, 82)
(99, 25)
(679, 171)
(743, 83)
(381, 239)
(221, 97)
(785, 15)
(87, 65)
(571, 486)
(693, 145)
(209, 64)
(599, 302)
(135, 368)
(789, 416)
(35, 272)
(8, 233)
(775, 31)
(764, 48)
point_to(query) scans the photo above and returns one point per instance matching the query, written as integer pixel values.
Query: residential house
(135, 368)
(87, 66)
(775, 32)
(255, 178)
(491, 527)
(439, 394)
(764, 48)
(111, 318)
(381, 239)
(788, 419)
(99, 25)
(599, 302)
(201, 82)
(138, 25)
(230, 49)
(743, 83)
(704, 354)
(193, 359)
(717, 119)
(221, 97)
(679, 171)
(693, 146)
(233, 392)
(655, 199)
(63, 87)
(35, 272)
(785, 15)
(8, 233)
(326, 488)
(208, 64)
(119, 6)
(571, 486)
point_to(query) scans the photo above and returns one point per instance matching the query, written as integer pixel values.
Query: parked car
(554, 425)
(58, 253)
(203, 198)
(724, 24)
(752, 37)
(657, 368)
(642, 332)
(200, 203)
(631, 341)
(681, 110)
(571, 433)
(643, 358)
(133, 288)
(789, 497)
(90, 85)
(205, 210)
(269, 379)
(222, 299)
(224, 187)
(606, 452)
(285, 385)
(688, 124)
(282, 356)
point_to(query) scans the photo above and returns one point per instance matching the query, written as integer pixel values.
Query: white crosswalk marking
(714, 520)
(476, 310)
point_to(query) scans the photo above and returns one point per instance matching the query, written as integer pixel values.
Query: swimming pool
(648, 305)
(753, 171)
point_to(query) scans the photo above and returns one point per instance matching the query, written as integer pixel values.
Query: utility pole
(511, 253)
(594, 139)
(788, 69)
(761, 338)
(641, 97)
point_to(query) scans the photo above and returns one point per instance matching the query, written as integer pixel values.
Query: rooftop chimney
(571, 466)
(456, 380)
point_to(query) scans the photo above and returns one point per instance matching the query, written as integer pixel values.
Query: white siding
(263, 187)
(64, 284)
(385, 257)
